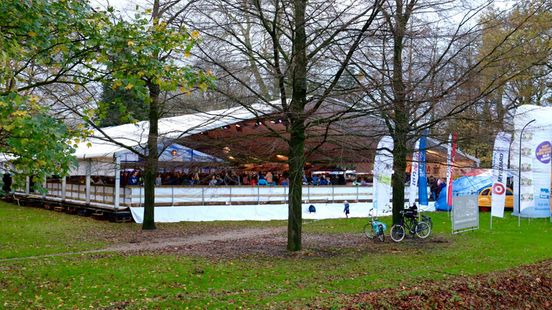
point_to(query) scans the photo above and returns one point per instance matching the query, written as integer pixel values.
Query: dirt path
(228, 243)
(154, 242)
(230, 235)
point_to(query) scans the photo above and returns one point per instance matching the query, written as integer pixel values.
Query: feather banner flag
(450, 164)
(422, 178)
(500, 161)
(414, 174)
(383, 169)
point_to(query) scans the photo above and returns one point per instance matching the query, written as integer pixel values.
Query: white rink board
(264, 212)
(248, 194)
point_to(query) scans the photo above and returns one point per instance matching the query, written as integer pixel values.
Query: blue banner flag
(422, 182)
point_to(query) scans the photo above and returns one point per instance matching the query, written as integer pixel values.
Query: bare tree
(281, 50)
(417, 68)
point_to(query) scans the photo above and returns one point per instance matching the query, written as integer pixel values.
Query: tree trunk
(151, 163)
(295, 195)
(400, 152)
(297, 125)
(401, 112)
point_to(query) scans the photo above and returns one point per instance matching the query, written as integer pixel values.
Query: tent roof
(434, 143)
(136, 135)
(181, 154)
(175, 128)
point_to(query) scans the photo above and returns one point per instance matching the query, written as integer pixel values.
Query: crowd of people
(226, 177)
(324, 179)
(251, 178)
(232, 177)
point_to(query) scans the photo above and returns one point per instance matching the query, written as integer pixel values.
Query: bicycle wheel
(423, 230)
(397, 233)
(368, 231)
(428, 220)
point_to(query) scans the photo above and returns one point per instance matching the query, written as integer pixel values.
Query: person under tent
(262, 180)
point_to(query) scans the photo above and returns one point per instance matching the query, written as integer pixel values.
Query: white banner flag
(500, 161)
(414, 174)
(532, 149)
(383, 168)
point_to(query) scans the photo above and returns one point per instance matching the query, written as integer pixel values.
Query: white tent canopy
(135, 135)
(174, 153)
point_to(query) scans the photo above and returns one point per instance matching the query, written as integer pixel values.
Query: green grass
(175, 281)
(26, 231)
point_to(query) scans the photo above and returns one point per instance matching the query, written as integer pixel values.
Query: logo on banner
(543, 152)
(414, 173)
(544, 193)
(498, 189)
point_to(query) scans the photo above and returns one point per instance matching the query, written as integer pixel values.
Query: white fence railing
(98, 193)
(175, 195)
(201, 195)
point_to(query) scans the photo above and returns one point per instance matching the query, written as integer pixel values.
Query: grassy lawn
(27, 231)
(164, 280)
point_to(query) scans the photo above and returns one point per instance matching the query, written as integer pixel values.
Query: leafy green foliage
(144, 57)
(42, 42)
(38, 143)
(138, 52)
(120, 106)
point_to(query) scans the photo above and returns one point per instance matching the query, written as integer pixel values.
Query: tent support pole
(44, 187)
(27, 185)
(117, 188)
(87, 184)
(172, 196)
(63, 188)
(519, 172)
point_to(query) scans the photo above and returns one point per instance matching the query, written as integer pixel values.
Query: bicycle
(375, 229)
(427, 220)
(409, 222)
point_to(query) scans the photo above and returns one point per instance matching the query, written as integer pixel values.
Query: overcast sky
(129, 5)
